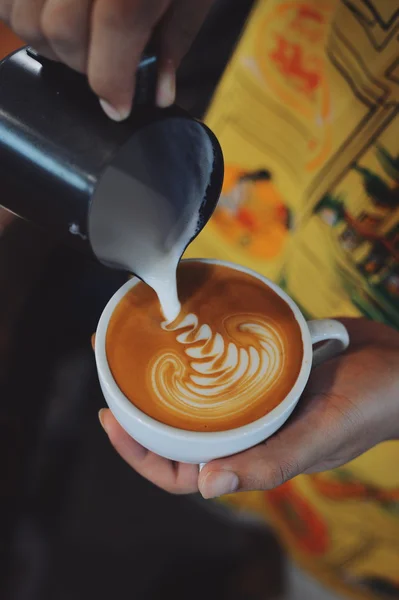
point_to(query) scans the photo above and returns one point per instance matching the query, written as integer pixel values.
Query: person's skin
(106, 38)
(350, 405)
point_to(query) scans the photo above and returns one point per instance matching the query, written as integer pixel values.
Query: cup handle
(333, 333)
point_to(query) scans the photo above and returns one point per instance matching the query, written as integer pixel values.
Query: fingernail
(101, 419)
(114, 113)
(166, 86)
(219, 483)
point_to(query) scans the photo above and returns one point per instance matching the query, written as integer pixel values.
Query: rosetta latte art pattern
(218, 377)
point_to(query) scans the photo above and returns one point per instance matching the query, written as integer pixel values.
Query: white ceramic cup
(201, 447)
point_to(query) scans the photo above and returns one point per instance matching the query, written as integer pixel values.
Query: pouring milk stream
(173, 165)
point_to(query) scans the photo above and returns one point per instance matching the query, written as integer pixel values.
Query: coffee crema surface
(232, 355)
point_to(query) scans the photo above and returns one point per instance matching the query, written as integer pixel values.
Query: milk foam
(220, 377)
(161, 275)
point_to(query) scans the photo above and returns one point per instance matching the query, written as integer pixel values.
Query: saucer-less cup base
(199, 447)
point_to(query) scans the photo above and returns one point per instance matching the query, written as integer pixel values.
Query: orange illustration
(251, 212)
(300, 519)
(353, 489)
(291, 60)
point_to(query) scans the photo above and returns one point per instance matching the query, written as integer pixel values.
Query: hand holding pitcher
(106, 38)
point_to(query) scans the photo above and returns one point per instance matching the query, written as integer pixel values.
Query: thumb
(297, 448)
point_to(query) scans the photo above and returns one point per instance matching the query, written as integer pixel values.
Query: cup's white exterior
(199, 447)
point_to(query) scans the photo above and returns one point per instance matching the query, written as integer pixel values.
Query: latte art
(214, 377)
(231, 356)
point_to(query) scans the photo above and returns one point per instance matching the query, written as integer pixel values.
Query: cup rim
(126, 406)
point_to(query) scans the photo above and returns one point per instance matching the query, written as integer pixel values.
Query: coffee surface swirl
(231, 356)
